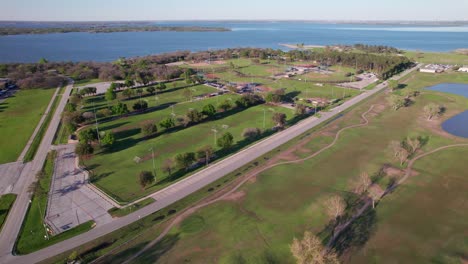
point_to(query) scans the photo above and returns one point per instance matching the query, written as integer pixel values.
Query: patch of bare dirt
(235, 196)
(204, 64)
(288, 156)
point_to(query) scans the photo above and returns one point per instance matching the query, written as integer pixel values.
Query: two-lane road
(191, 184)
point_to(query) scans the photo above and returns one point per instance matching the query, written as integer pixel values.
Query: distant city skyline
(143, 10)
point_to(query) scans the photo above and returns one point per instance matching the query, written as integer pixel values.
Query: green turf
(116, 172)
(434, 57)
(6, 202)
(40, 134)
(87, 82)
(33, 235)
(19, 116)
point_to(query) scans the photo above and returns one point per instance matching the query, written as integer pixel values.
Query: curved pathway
(193, 209)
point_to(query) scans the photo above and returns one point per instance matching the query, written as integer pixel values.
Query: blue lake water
(110, 46)
(457, 125)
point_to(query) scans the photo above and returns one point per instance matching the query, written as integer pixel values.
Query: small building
(427, 70)
(463, 69)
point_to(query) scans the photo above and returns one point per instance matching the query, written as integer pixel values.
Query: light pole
(264, 118)
(97, 128)
(154, 166)
(215, 132)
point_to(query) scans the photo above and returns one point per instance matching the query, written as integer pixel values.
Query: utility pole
(215, 131)
(264, 118)
(97, 127)
(154, 166)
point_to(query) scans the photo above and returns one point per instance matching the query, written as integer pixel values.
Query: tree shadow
(113, 126)
(357, 233)
(158, 250)
(127, 133)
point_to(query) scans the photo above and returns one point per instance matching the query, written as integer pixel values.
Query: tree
(168, 166)
(145, 178)
(87, 135)
(139, 91)
(279, 119)
(396, 101)
(393, 84)
(194, 116)
(140, 105)
(150, 90)
(225, 105)
(75, 99)
(334, 208)
(205, 153)
(363, 183)
(225, 141)
(84, 149)
(248, 100)
(399, 151)
(108, 139)
(167, 123)
(300, 109)
(105, 112)
(187, 94)
(128, 93)
(129, 83)
(43, 61)
(162, 87)
(73, 256)
(209, 110)
(110, 94)
(185, 160)
(148, 128)
(120, 109)
(69, 107)
(251, 133)
(413, 143)
(310, 250)
(276, 96)
(431, 110)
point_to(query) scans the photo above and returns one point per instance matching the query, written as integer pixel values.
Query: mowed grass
(116, 171)
(434, 57)
(19, 116)
(287, 200)
(6, 202)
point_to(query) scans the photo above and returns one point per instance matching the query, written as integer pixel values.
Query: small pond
(457, 125)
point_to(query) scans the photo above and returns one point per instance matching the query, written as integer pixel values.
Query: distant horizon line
(254, 20)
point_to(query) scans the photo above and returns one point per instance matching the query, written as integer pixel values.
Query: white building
(463, 69)
(428, 70)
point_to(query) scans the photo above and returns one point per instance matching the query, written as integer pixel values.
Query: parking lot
(72, 202)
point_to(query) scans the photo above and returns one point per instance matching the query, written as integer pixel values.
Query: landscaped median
(34, 235)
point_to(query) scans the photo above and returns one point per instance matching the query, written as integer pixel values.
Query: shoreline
(295, 46)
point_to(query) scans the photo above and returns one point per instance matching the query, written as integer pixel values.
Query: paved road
(187, 186)
(12, 224)
(71, 201)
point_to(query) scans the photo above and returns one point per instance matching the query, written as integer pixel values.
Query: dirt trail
(193, 209)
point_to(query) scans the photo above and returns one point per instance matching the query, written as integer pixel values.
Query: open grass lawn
(6, 202)
(87, 82)
(422, 221)
(115, 170)
(442, 58)
(168, 97)
(19, 116)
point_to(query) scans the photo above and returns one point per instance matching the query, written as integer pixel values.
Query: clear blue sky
(75, 10)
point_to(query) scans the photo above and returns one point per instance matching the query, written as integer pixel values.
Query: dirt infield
(205, 64)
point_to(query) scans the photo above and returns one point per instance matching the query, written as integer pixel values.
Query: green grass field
(33, 236)
(442, 58)
(6, 202)
(286, 200)
(116, 172)
(40, 134)
(19, 116)
(87, 82)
